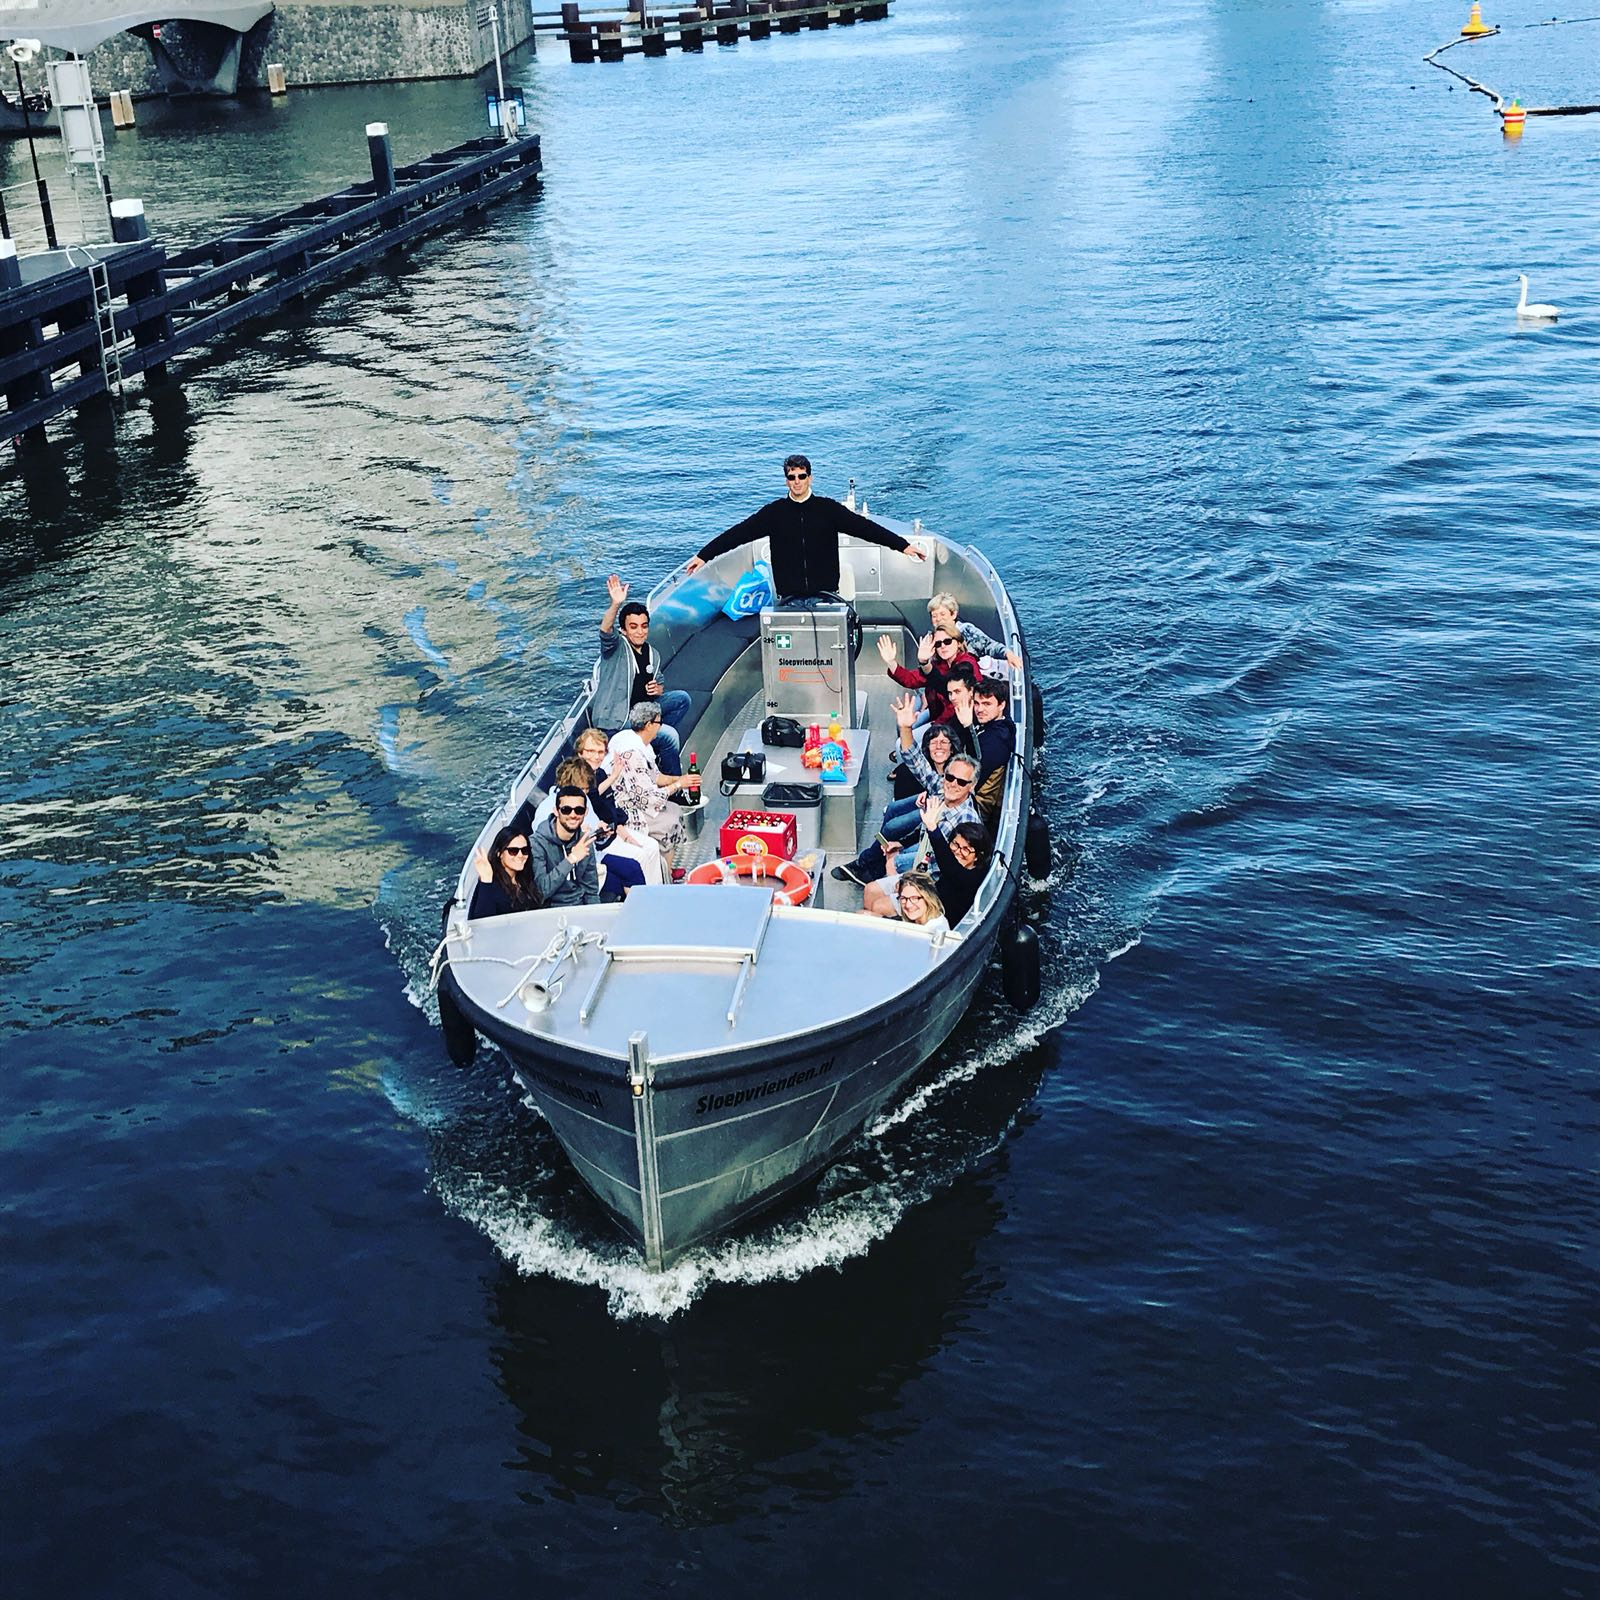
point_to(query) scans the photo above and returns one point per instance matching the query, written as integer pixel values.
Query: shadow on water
(732, 1407)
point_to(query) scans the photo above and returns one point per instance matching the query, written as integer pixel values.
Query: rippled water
(1261, 1258)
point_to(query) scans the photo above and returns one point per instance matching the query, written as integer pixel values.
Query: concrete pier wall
(330, 41)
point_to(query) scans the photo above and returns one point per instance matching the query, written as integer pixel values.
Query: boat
(38, 119)
(701, 1050)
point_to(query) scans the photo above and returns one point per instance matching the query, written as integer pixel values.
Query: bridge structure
(200, 55)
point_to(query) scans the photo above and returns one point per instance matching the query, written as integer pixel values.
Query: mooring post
(382, 158)
(579, 43)
(760, 19)
(727, 24)
(689, 35)
(610, 39)
(128, 226)
(654, 38)
(847, 16)
(788, 23)
(818, 19)
(17, 337)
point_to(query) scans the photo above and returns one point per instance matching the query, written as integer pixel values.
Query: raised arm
(860, 527)
(755, 526)
(616, 591)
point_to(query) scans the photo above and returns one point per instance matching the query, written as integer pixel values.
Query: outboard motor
(1019, 962)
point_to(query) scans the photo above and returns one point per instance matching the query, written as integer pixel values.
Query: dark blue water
(1260, 1259)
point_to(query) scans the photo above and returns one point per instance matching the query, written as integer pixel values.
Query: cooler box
(804, 800)
(749, 833)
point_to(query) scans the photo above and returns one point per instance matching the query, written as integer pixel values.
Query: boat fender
(460, 1037)
(1019, 960)
(1036, 850)
(1038, 717)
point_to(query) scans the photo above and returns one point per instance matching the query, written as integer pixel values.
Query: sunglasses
(796, 477)
(515, 850)
(570, 811)
(950, 777)
(941, 643)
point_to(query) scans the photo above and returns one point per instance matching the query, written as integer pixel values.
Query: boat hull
(704, 1146)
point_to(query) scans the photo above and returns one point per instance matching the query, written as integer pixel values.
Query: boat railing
(566, 726)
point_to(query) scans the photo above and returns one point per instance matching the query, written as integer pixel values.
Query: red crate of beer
(753, 833)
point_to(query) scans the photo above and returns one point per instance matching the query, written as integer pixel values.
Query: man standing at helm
(802, 531)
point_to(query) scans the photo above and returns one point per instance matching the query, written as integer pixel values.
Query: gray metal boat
(699, 1050)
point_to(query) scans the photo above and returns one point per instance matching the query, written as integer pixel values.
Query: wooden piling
(277, 82)
(760, 19)
(690, 37)
(788, 23)
(727, 25)
(580, 43)
(31, 385)
(653, 40)
(121, 109)
(610, 40)
(129, 226)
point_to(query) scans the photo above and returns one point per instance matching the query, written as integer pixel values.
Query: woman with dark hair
(940, 741)
(962, 860)
(505, 883)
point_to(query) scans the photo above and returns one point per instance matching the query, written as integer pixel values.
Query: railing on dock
(66, 339)
(638, 29)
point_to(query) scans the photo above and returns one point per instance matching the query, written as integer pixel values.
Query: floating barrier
(1512, 113)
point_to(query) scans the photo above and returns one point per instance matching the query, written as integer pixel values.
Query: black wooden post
(17, 337)
(689, 35)
(654, 39)
(382, 158)
(818, 19)
(788, 23)
(727, 27)
(610, 40)
(579, 42)
(128, 226)
(760, 19)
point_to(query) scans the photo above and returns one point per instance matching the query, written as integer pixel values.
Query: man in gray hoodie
(628, 671)
(561, 854)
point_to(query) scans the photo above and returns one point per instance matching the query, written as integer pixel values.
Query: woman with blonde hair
(917, 900)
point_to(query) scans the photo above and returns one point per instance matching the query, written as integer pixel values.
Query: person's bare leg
(878, 900)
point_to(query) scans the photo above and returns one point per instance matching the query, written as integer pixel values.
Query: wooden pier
(78, 323)
(638, 30)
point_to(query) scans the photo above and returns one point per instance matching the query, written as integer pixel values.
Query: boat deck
(875, 788)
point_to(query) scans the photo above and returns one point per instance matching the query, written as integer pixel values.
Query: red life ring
(795, 880)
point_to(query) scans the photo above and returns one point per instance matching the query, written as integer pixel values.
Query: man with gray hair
(899, 836)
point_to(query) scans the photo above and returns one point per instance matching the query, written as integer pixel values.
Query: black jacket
(804, 539)
(958, 885)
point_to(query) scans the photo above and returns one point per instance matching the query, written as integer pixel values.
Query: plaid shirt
(955, 813)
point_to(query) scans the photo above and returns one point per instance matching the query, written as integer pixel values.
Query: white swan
(1527, 313)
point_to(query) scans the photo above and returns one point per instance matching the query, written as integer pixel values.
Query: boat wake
(525, 1202)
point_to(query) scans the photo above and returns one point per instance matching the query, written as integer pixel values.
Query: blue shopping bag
(750, 593)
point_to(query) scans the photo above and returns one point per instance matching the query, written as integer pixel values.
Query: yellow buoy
(1512, 119)
(1476, 27)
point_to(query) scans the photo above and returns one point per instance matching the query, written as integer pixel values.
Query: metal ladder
(105, 323)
